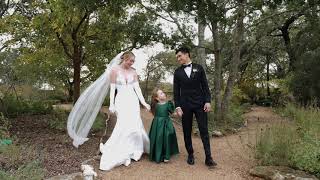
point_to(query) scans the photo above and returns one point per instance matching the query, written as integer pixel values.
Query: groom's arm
(205, 86)
(176, 90)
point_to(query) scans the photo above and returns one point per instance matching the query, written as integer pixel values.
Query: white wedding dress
(129, 139)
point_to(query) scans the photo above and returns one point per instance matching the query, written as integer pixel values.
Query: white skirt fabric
(129, 139)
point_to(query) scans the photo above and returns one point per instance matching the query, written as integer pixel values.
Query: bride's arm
(138, 92)
(113, 77)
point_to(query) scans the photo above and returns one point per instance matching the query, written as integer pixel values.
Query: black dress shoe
(210, 163)
(190, 159)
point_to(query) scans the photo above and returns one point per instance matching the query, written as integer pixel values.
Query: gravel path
(233, 153)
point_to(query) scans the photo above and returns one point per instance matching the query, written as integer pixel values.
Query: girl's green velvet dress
(163, 139)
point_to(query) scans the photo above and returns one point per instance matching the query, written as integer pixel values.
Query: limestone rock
(217, 133)
(73, 176)
(280, 173)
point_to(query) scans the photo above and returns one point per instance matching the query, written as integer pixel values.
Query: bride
(129, 139)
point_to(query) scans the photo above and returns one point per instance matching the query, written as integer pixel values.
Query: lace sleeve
(113, 76)
(138, 92)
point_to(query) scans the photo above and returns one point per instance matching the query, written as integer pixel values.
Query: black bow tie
(188, 65)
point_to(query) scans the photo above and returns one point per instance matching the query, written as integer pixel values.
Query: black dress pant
(202, 120)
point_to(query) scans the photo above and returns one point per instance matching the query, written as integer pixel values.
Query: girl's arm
(171, 107)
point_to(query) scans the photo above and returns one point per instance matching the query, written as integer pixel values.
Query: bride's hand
(147, 106)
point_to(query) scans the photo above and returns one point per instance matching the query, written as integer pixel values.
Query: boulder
(280, 173)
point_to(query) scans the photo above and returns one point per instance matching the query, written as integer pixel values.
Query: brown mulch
(233, 153)
(56, 152)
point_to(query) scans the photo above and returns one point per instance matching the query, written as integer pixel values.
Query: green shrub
(14, 156)
(6, 176)
(306, 155)
(99, 123)
(295, 143)
(238, 96)
(307, 119)
(48, 95)
(31, 170)
(20, 162)
(15, 106)
(232, 120)
(288, 111)
(234, 116)
(59, 119)
(305, 78)
(106, 101)
(275, 144)
(264, 101)
(57, 96)
(4, 128)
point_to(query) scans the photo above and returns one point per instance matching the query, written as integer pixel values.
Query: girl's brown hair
(154, 100)
(126, 55)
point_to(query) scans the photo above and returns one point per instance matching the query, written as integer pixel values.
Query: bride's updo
(126, 55)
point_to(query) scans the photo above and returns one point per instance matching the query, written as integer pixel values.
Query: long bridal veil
(85, 110)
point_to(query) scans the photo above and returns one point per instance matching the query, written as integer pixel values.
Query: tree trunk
(146, 86)
(217, 72)
(234, 65)
(77, 57)
(70, 92)
(77, 60)
(76, 66)
(268, 74)
(286, 38)
(76, 76)
(201, 54)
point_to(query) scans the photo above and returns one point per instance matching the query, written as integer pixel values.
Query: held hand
(179, 112)
(147, 106)
(207, 107)
(175, 114)
(112, 109)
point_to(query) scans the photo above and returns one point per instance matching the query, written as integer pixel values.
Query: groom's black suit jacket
(191, 92)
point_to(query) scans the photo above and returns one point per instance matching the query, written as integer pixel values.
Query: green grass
(275, 145)
(233, 120)
(99, 123)
(295, 143)
(58, 120)
(16, 106)
(21, 162)
(5, 126)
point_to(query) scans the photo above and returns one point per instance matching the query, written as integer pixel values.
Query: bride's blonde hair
(126, 55)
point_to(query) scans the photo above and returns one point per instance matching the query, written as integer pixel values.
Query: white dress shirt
(188, 69)
(188, 72)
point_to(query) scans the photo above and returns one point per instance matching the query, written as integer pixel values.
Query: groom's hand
(207, 107)
(179, 111)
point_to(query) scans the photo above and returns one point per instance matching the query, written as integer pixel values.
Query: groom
(192, 96)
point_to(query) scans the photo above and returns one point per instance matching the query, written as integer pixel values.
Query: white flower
(194, 70)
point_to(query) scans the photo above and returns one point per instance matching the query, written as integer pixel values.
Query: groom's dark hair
(184, 50)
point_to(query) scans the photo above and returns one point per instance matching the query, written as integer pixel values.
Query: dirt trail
(233, 153)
